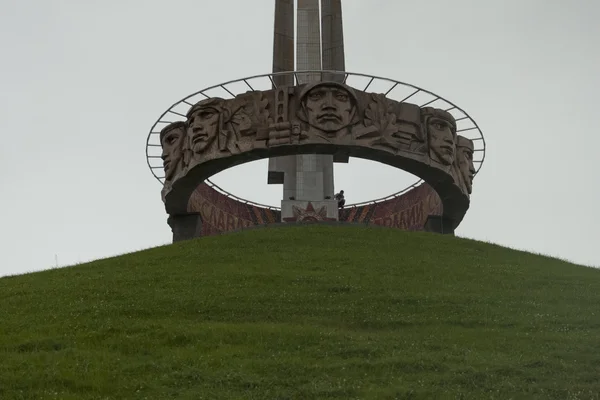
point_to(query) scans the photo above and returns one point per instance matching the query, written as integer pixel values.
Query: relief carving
(423, 141)
(410, 135)
(205, 121)
(249, 118)
(172, 139)
(379, 123)
(309, 214)
(395, 127)
(280, 127)
(440, 130)
(329, 109)
(231, 122)
(464, 163)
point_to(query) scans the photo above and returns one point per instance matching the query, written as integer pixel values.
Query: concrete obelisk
(319, 45)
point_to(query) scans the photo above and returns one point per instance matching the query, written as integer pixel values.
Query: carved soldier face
(203, 125)
(171, 140)
(464, 159)
(441, 133)
(329, 108)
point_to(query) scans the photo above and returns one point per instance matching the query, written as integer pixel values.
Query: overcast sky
(83, 81)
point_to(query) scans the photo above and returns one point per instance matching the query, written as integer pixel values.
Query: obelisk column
(311, 177)
(333, 39)
(333, 59)
(306, 178)
(282, 170)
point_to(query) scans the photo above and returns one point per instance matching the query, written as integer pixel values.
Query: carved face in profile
(203, 124)
(329, 107)
(441, 135)
(171, 139)
(464, 161)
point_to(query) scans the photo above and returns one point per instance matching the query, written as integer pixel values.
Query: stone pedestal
(439, 224)
(185, 227)
(309, 211)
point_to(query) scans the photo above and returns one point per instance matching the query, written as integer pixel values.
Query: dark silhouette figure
(340, 199)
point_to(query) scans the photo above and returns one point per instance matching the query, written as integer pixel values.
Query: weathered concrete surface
(322, 118)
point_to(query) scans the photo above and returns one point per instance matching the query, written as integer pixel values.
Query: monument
(308, 177)
(304, 116)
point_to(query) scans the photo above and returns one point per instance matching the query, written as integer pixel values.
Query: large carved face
(329, 107)
(171, 139)
(464, 158)
(441, 136)
(203, 124)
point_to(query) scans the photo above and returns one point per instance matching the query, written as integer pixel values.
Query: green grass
(305, 313)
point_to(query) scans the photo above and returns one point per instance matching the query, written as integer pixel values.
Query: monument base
(439, 224)
(309, 211)
(185, 227)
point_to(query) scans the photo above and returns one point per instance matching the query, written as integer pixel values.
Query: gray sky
(83, 81)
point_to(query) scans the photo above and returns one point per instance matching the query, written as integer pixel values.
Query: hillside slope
(302, 313)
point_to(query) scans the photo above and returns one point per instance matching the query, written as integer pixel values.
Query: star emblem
(309, 214)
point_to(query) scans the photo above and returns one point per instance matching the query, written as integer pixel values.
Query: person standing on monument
(340, 199)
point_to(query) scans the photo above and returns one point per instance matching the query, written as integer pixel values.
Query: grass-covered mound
(302, 313)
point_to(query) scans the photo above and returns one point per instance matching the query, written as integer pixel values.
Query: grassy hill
(301, 313)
